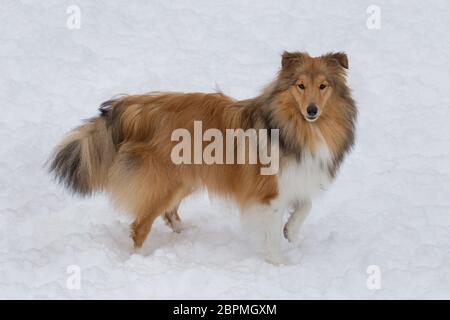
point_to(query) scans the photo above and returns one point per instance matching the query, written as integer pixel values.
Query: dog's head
(312, 80)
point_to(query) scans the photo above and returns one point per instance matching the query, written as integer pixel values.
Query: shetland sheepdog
(127, 150)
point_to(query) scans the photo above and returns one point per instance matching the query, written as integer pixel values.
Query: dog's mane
(337, 126)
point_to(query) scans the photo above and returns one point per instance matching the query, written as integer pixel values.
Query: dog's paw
(173, 224)
(138, 251)
(276, 259)
(177, 226)
(290, 233)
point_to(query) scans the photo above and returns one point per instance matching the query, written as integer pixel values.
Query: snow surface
(389, 207)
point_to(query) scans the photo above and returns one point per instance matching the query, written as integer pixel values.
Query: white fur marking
(304, 179)
(298, 182)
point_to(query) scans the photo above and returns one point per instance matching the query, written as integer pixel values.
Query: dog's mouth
(311, 118)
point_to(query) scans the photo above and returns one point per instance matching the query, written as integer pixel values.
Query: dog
(127, 150)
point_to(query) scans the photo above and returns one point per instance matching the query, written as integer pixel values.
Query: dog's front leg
(301, 210)
(274, 224)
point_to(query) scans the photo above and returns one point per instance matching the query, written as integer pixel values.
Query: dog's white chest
(305, 178)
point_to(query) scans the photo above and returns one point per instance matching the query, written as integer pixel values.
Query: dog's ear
(339, 57)
(290, 58)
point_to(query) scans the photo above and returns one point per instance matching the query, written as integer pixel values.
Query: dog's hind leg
(155, 206)
(140, 229)
(172, 219)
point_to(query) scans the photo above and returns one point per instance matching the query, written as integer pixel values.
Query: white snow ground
(389, 207)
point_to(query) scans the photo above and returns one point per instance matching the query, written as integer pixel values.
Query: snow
(390, 205)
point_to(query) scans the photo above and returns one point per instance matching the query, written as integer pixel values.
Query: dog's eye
(322, 86)
(301, 86)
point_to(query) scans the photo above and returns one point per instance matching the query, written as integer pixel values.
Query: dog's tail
(82, 160)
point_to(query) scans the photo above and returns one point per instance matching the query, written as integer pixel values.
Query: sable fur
(126, 150)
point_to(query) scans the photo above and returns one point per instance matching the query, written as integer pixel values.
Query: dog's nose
(311, 110)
